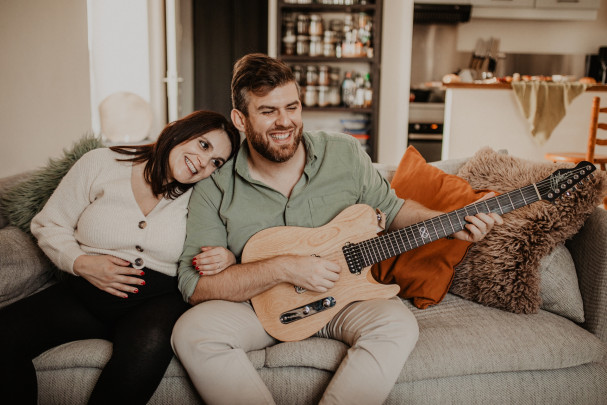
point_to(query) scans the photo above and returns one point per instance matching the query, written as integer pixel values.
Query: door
(223, 32)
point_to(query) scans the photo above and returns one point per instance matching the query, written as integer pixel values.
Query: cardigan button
(139, 248)
(142, 225)
(139, 262)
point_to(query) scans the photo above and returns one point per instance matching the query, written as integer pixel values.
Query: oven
(426, 129)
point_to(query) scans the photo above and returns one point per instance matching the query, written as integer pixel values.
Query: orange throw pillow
(425, 273)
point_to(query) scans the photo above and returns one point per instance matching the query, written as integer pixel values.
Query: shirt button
(139, 248)
(139, 262)
(142, 225)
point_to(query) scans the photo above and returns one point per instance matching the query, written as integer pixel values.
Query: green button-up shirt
(229, 207)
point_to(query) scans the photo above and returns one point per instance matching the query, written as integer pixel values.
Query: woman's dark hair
(259, 74)
(157, 170)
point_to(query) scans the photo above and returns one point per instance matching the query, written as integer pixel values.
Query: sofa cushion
(502, 270)
(460, 337)
(424, 274)
(6, 184)
(559, 285)
(457, 338)
(23, 267)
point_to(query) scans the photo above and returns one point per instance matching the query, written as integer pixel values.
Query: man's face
(274, 126)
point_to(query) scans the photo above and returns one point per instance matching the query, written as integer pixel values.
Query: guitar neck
(380, 248)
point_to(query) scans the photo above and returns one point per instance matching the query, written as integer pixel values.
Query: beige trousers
(211, 341)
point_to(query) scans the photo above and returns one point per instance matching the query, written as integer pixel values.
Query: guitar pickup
(307, 310)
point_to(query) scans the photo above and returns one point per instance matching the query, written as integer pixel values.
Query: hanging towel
(544, 104)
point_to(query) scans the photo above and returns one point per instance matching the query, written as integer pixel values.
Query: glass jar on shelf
(311, 75)
(368, 92)
(302, 46)
(311, 96)
(328, 43)
(334, 95)
(348, 90)
(289, 39)
(298, 73)
(315, 46)
(323, 96)
(303, 24)
(316, 25)
(324, 78)
(334, 75)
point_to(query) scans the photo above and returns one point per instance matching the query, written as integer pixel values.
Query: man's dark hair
(259, 74)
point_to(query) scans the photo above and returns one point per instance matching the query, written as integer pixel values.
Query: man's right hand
(309, 272)
(109, 274)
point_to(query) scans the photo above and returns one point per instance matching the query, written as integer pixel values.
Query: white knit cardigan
(94, 211)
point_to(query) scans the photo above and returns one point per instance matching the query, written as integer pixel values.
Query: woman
(116, 226)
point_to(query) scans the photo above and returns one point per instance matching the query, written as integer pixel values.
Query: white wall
(44, 77)
(395, 80)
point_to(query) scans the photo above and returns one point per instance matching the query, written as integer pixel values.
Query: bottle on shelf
(359, 95)
(368, 91)
(348, 90)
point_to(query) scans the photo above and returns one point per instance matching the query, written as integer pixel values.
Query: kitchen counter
(506, 86)
(478, 115)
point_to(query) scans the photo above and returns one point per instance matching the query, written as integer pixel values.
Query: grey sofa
(466, 354)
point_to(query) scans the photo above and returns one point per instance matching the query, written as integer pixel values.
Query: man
(284, 176)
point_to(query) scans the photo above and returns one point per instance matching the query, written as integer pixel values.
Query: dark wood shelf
(328, 8)
(317, 59)
(340, 109)
(374, 9)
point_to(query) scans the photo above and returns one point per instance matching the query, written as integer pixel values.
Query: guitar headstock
(562, 181)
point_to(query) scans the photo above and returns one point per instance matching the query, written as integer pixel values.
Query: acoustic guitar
(290, 313)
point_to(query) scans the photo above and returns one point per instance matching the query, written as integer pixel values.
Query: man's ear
(238, 119)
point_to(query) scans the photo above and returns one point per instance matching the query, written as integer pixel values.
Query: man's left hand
(479, 225)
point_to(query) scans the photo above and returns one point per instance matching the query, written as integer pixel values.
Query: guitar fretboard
(380, 248)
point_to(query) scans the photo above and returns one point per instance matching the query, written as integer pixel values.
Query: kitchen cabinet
(489, 115)
(579, 10)
(312, 38)
(568, 4)
(503, 3)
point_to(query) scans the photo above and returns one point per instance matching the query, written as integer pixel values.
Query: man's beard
(262, 145)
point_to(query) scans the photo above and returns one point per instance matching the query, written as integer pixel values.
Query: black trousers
(139, 327)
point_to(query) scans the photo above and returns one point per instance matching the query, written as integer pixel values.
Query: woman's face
(196, 159)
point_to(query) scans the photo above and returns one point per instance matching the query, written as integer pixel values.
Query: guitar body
(354, 224)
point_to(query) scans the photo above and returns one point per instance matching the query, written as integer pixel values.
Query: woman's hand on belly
(109, 274)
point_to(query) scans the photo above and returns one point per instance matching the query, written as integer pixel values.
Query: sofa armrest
(5, 184)
(24, 268)
(590, 256)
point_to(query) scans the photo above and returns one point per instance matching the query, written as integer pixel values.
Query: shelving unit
(374, 9)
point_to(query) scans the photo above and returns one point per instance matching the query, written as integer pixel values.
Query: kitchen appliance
(424, 13)
(426, 129)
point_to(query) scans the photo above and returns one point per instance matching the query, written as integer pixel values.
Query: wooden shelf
(326, 59)
(340, 109)
(374, 9)
(328, 8)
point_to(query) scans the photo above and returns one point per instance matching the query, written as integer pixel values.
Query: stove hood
(440, 13)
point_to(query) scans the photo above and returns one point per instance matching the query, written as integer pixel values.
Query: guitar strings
(382, 247)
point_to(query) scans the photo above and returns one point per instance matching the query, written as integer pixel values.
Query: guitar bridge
(353, 257)
(307, 310)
